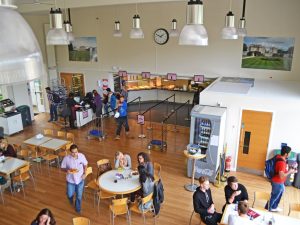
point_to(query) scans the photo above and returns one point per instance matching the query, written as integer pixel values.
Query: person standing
(75, 165)
(122, 119)
(71, 109)
(124, 92)
(52, 105)
(204, 205)
(234, 191)
(277, 182)
(98, 104)
(111, 100)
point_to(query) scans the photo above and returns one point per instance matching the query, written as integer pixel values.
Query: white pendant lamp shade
(117, 31)
(69, 30)
(242, 32)
(136, 31)
(57, 34)
(20, 55)
(174, 32)
(194, 33)
(229, 31)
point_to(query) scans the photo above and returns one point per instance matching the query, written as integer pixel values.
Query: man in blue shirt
(122, 119)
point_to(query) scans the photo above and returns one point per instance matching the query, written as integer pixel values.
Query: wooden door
(254, 140)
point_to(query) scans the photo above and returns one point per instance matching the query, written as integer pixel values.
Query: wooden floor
(177, 208)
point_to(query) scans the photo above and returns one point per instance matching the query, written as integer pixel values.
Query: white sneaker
(276, 210)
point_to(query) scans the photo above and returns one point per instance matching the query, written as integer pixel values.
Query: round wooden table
(192, 186)
(122, 186)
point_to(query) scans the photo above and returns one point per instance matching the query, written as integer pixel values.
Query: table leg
(192, 186)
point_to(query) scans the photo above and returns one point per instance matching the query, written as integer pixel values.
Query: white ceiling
(31, 8)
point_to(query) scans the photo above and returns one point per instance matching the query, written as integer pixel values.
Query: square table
(37, 142)
(11, 165)
(54, 144)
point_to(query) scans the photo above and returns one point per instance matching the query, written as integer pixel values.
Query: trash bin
(25, 114)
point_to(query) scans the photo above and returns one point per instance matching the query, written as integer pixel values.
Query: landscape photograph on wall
(83, 49)
(268, 53)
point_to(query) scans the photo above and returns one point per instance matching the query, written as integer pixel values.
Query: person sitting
(147, 183)
(203, 203)
(234, 192)
(242, 218)
(45, 217)
(122, 160)
(7, 149)
(144, 160)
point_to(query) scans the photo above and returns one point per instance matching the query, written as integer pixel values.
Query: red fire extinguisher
(227, 163)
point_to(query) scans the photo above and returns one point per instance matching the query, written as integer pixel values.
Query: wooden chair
(119, 207)
(101, 194)
(61, 134)
(294, 208)
(91, 183)
(17, 147)
(48, 132)
(157, 171)
(144, 201)
(64, 151)
(49, 157)
(201, 221)
(24, 174)
(103, 166)
(4, 186)
(35, 155)
(70, 137)
(23, 154)
(260, 196)
(81, 221)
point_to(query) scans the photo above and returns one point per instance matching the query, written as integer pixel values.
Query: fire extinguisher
(227, 163)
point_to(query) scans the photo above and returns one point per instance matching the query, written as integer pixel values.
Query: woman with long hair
(45, 217)
(144, 160)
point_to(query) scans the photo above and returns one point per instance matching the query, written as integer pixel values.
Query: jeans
(212, 219)
(53, 112)
(277, 191)
(122, 120)
(78, 189)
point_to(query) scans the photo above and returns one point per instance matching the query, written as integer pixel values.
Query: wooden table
(263, 219)
(54, 144)
(11, 165)
(192, 186)
(37, 142)
(124, 186)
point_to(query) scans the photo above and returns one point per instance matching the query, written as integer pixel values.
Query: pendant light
(136, 31)
(68, 26)
(242, 32)
(117, 31)
(229, 31)
(20, 54)
(174, 32)
(194, 33)
(57, 34)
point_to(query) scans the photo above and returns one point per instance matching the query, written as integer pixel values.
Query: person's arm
(128, 162)
(63, 166)
(281, 168)
(244, 193)
(150, 168)
(85, 163)
(229, 196)
(117, 163)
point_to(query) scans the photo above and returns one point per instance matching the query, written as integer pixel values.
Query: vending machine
(207, 135)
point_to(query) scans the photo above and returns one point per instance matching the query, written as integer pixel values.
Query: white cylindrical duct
(56, 19)
(136, 22)
(229, 19)
(194, 14)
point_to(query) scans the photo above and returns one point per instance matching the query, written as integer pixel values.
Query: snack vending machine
(206, 135)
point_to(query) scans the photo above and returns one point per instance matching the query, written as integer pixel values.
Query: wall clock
(161, 36)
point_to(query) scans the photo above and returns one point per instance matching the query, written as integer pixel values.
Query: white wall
(283, 101)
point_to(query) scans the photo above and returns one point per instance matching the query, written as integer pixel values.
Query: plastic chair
(61, 134)
(70, 137)
(24, 175)
(144, 201)
(157, 171)
(48, 132)
(294, 207)
(258, 197)
(81, 221)
(103, 165)
(119, 207)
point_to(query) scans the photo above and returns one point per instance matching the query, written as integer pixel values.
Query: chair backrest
(120, 206)
(17, 147)
(70, 136)
(103, 165)
(157, 169)
(89, 171)
(44, 150)
(148, 198)
(61, 134)
(294, 207)
(260, 196)
(81, 221)
(48, 132)
(67, 147)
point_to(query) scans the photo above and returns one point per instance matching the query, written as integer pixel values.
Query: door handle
(242, 134)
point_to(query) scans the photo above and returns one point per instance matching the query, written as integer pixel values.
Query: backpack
(56, 98)
(270, 167)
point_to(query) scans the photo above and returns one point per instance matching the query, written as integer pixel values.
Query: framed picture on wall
(83, 49)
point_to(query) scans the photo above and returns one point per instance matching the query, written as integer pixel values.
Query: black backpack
(56, 98)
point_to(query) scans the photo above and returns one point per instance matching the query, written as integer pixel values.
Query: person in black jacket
(203, 203)
(71, 105)
(234, 192)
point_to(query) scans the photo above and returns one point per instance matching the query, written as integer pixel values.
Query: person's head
(204, 183)
(108, 90)
(232, 181)
(95, 93)
(71, 95)
(143, 158)
(285, 151)
(48, 89)
(117, 95)
(3, 143)
(44, 215)
(118, 155)
(74, 150)
(122, 98)
(243, 208)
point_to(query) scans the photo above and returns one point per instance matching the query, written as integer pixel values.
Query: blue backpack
(270, 167)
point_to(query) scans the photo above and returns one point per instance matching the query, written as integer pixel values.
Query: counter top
(164, 89)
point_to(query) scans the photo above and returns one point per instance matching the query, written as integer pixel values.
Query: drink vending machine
(206, 135)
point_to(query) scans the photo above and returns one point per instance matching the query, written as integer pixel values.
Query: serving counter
(83, 116)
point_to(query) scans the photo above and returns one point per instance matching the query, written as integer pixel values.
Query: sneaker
(50, 120)
(117, 137)
(127, 133)
(276, 210)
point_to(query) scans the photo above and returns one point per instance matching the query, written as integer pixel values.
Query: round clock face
(161, 36)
